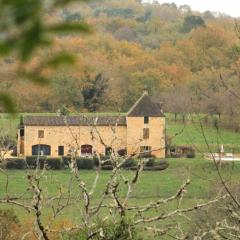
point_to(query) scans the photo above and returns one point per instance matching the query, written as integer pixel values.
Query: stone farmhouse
(141, 130)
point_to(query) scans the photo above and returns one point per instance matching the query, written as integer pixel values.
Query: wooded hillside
(186, 59)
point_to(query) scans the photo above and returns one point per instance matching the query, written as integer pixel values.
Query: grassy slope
(163, 183)
(193, 135)
(152, 185)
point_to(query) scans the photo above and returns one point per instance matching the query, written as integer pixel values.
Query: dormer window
(146, 120)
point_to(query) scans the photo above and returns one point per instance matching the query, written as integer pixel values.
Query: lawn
(152, 185)
(192, 134)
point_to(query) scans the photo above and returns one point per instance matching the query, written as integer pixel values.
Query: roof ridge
(73, 120)
(145, 93)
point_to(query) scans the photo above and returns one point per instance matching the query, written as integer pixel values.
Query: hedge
(82, 163)
(66, 160)
(15, 163)
(54, 163)
(155, 168)
(129, 163)
(150, 163)
(32, 161)
(107, 167)
(85, 163)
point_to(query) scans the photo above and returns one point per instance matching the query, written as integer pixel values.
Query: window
(146, 133)
(41, 149)
(22, 132)
(145, 151)
(86, 150)
(40, 134)
(108, 151)
(146, 148)
(60, 150)
(146, 120)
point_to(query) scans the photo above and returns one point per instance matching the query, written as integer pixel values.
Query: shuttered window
(146, 133)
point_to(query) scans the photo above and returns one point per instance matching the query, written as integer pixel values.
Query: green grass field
(152, 185)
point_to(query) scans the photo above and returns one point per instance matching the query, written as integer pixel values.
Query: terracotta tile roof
(145, 107)
(74, 120)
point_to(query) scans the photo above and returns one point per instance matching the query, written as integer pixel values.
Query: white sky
(230, 7)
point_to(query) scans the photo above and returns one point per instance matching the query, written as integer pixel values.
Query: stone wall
(75, 137)
(156, 140)
(130, 137)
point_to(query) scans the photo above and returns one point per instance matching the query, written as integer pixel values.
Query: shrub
(54, 163)
(155, 168)
(156, 165)
(175, 155)
(129, 163)
(15, 163)
(121, 230)
(8, 224)
(33, 160)
(117, 230)
(160, 167)
(85, 163)
(66, 160)
(102, 158)
(191, 155)
(146, 154)
(162, 162)
(107, 167)
(150, 162)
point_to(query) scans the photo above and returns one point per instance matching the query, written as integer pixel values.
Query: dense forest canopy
(188, 60)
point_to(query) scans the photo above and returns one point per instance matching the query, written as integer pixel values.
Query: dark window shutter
(146, 133)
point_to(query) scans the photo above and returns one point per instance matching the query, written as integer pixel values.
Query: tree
(93, 92)
(191, 22)
(67, 91)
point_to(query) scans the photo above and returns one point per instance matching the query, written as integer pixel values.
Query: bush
(150, 162)
(153, 165)
(162, 162)
(9, 223)
(15, 163)
(102, 158)
(129, 163)
(191, 155)
(112, 230)
(66, 160)
(107, 167)
(156, 168)
(85, 163)
(160, 167)
(32, 161)
(175, 155)
(54, 163)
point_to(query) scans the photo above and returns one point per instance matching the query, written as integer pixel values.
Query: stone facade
(156, 139)
(141, 130)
